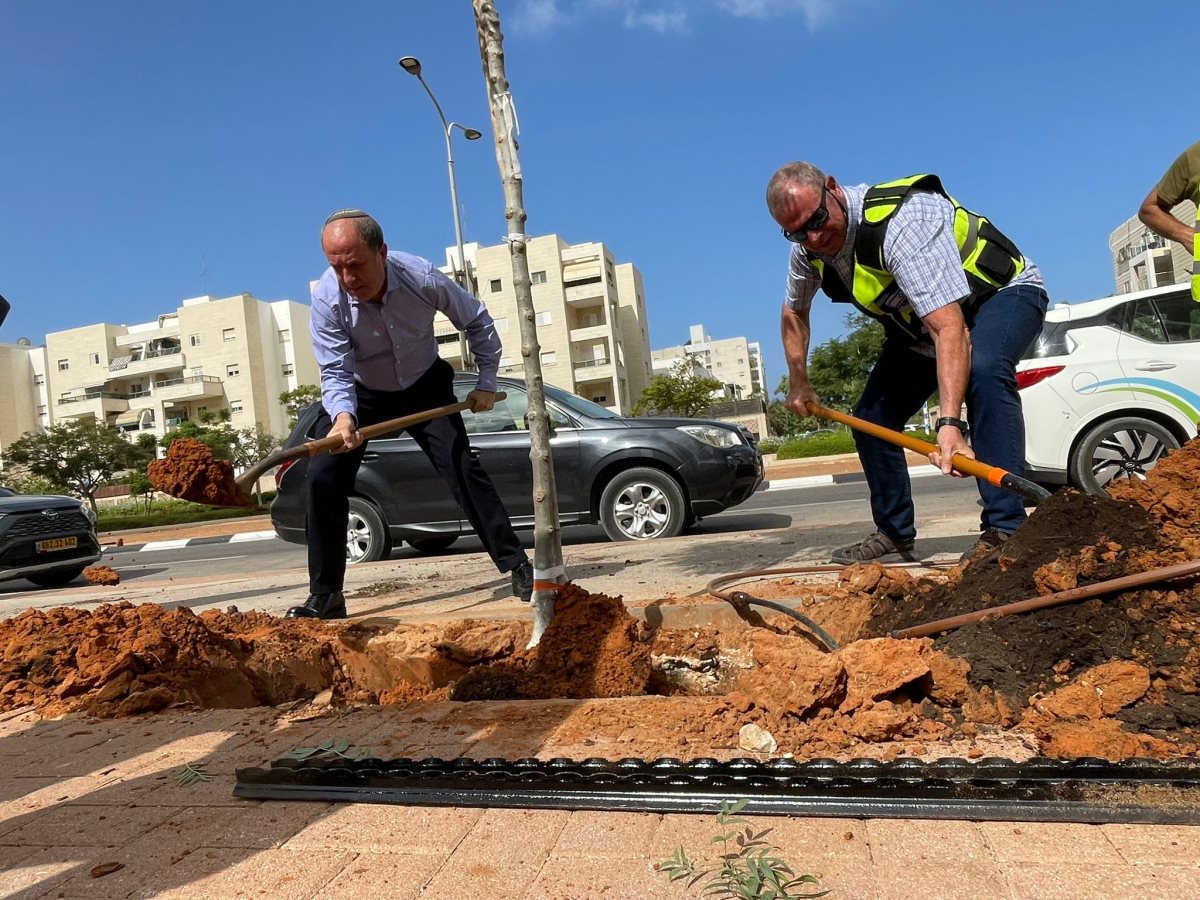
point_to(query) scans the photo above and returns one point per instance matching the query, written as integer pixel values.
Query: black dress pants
(331, 477)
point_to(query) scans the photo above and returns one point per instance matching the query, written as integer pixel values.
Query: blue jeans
(902, 380)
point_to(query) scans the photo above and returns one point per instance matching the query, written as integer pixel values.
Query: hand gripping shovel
(192, 473)
(991, 474)
(245, 482)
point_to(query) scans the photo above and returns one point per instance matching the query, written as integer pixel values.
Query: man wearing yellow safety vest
(1182, 182)
(959, 304)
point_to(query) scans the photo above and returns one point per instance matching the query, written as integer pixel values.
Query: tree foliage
(681, 392)
(298, 398)
(838, 369)
(75, 457)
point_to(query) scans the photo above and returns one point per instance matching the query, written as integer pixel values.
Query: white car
(1109, 386)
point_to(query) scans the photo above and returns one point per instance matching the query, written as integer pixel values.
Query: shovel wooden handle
(246, 480)
(993, 475)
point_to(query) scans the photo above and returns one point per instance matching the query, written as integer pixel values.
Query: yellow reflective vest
(1196, 252)
(989, 259)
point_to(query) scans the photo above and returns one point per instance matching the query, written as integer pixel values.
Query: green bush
(167, 512)
(820, 444)
(769, 444)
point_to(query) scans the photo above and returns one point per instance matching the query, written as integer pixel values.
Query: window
(600, 398)
(227, 334)
(495, 286)
(63, 365)
(543, 318)
(194, 340)
(197, 373)
(506, 362)
(501, 325)
(288, 369)
(538, 277)
(549, 358)
(39, 379)
(285, 335)
(1180, 317)
(447, 338)
(232, 370)
(41, 410)
(94, 359)
(235, 406)
(1145, 323)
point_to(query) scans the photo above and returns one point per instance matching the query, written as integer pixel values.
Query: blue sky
(156, 151)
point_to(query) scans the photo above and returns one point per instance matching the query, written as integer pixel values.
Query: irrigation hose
(1113, 585)
(740, 600)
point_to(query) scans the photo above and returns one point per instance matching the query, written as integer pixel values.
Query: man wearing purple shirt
(372, 333)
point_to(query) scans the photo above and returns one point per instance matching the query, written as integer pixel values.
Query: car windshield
(5, 492)
(579, 405)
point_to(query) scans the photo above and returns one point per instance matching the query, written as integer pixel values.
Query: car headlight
(712, 435)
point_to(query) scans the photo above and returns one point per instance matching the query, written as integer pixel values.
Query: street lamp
(412, 66)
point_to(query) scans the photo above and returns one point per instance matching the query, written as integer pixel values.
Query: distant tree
(298, 398)
(212, 430)
(782, 420)
(250, 445)
(838, 368)
(75, 457)
(18, 478)
(140, 486)
(681, 392)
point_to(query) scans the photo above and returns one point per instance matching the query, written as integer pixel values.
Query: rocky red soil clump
(190, 472)
(102, 575)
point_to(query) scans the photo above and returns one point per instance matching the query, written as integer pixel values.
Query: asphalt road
(823, 516)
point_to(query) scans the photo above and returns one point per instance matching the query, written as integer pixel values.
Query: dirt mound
(102, 575)
(592, 648)
(190, 472)
(1171, 494)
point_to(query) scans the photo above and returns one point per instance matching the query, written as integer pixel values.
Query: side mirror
(4, 308)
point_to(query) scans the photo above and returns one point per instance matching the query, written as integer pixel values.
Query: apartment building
(1143, 259)
(590, 313)
(23, 372)
(735, 362)
(237, 353)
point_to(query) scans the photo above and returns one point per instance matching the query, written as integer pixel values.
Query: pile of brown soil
(190, 472)
(102, 575)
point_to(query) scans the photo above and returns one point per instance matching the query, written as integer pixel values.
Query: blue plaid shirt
(919, 250)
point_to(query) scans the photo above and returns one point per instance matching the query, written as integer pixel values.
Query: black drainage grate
(1045, 790)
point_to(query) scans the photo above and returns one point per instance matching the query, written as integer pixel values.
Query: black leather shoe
(320, 606)
(522, 581)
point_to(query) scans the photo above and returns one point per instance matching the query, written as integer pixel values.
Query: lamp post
(412, 66)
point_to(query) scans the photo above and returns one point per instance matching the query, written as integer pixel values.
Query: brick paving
(86, 794)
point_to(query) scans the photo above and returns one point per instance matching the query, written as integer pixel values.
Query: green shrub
(820, 444)
(769, 444)
(166, 512)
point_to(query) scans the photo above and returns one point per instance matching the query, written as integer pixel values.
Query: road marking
(187, 561)
(252, 536)
(166, 545)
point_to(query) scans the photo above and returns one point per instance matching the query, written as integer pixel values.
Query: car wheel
(56, 577)
(367, 538)
(641, 504)
(1120, 448)
(432, 545)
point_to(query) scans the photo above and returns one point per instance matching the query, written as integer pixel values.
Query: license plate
(57, 544)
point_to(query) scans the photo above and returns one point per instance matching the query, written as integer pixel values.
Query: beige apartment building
(25, 407)
(237, 352)
(590, 312)
(1143, 259)
(735, 362)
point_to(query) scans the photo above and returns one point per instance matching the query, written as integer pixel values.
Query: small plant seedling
(752, 871)
(193, 774)
(330, 748)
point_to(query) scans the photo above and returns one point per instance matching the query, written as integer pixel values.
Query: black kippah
(347, 214)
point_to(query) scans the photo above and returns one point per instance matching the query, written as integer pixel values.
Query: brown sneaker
(989, 540)
(875, 546)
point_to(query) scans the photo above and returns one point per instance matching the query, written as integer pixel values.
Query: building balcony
(168, 359)
(593, 369)
(585, 294)
(168, 330)
(194, 387)
(94, 404)
(591, 333)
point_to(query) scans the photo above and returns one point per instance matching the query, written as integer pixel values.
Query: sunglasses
(814, 223)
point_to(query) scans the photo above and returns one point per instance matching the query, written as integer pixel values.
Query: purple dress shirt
(387, 346)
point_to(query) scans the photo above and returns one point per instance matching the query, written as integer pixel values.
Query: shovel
(246, 481)
(993, 475)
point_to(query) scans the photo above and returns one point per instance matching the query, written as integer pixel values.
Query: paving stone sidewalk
(84, 798)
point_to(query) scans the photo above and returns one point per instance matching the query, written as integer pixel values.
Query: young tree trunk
(547, 538)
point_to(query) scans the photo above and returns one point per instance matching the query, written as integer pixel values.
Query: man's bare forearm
(1155, 216)
(795, 330)
(952, 342)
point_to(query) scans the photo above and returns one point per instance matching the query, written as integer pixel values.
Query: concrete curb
(240, 538)
(847, 478)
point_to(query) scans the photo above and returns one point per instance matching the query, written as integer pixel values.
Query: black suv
(638, 478)
(49, 540)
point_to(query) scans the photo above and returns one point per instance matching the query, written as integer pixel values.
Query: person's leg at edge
(1004, 327)
(899, 383)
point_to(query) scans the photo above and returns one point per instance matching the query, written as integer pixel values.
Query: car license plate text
(53, 544)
